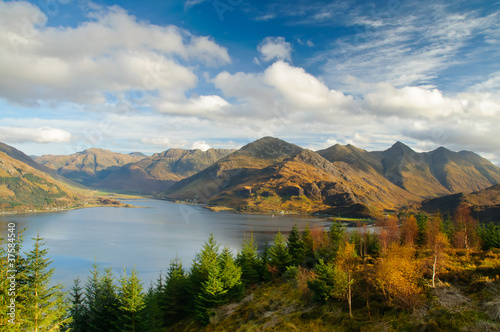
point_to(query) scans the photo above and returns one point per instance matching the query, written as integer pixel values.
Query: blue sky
(129, 76)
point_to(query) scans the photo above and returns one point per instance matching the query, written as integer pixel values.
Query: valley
(268, 175)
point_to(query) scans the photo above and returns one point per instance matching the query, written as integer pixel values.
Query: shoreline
(216, 209)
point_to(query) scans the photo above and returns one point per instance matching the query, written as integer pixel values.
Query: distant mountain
(24, 187)
(430, 174)
(484, 204)
(250, 158)
(161, 170)
(271, 174)
(89, 166)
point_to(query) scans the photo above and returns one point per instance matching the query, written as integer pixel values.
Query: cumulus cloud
(42, 63)
(275, 48)
(281, 91)
(37, 135)
(202, 145)
(202, 106)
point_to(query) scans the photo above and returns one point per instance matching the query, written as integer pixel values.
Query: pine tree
(212, 294)
(131, 301)
(279, 257)
(200, 267)
(422, 228)
(248, 260)
(216, 277)
(308, 243)
(78, 310)
(102, 301)
(230, 274)
(295, 246)
(490, 236)
(336, 234)
(174, 293)
(264, 262)
(329, 282)
(152, 315)
(45, 306)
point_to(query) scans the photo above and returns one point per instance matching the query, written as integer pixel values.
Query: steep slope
(272, 175)
(309, 183)
(353, 156)
(462, 171)
(89, 166)
(410, 170)
(159, 171)
(431, 174)
(247, 160)
(484, 204)
(23, 187)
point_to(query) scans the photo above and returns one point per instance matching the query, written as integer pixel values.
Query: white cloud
(157, 141)
(282, 91)
(202, 106)
(301, 89)
(37, 135)
(192, 3)
(202, 145)
(410, 45)
(412, 102)
(275, 48)
(60, 64)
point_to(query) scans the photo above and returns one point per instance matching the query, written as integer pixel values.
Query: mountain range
(26, 185)
(273, 175)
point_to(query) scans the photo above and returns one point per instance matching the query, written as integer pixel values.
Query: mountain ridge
(378, 180)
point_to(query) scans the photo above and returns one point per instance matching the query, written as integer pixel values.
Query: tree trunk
(349, 294)
(434, 271)
(466, 245)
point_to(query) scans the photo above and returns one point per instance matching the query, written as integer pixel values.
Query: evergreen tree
(490, 236)
(248, 260)
(422, 228)
(336, 235)
(329, 282)
(279, 257)
(230, 274)
(78, 310)
(45, 307)
(152, 315)
(212, 294)
(295, 246)
(203, 260)
(264, 273)
(131, 301)
(174, 293)
(102, 301)
(308, 243)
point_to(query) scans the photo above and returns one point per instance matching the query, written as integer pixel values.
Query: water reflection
(147, 238)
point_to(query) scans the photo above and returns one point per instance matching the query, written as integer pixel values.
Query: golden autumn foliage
(397, 276)
(409, 230)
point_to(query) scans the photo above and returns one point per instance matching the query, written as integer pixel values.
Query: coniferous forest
(413, 273)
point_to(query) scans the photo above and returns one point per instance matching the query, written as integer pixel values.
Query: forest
(413, 273)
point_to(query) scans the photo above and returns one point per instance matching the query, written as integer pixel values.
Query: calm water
(147, 238)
